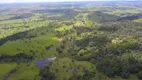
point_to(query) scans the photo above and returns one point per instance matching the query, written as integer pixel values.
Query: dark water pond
(40, 63)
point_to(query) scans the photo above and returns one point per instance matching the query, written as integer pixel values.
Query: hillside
(71, 41)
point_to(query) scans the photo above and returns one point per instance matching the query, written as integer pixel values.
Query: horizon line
(69, 1)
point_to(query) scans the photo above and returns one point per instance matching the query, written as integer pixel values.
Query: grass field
(138, 20)
(6, 68)
(37, 45)
(65, 67)
(25, 72)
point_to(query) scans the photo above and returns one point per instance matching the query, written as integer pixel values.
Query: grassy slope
(5, 68)
(26, 45)
(25, 73)
(138, 20)
(64, 67)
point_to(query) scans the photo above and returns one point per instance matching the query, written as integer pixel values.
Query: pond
(40, 63)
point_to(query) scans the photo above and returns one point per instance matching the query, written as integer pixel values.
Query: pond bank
(40, 63)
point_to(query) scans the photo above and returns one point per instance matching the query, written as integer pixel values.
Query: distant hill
(101, 17)
(133, 17)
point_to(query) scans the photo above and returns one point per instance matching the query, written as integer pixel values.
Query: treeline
(21, 16)
(18, 58)
(16, 36)
(113, 66)
(67, 14)
(52, 11)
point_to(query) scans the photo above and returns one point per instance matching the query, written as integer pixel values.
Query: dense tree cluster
(105, 47)
(18, 58)
(112, 66)
(46, 74)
